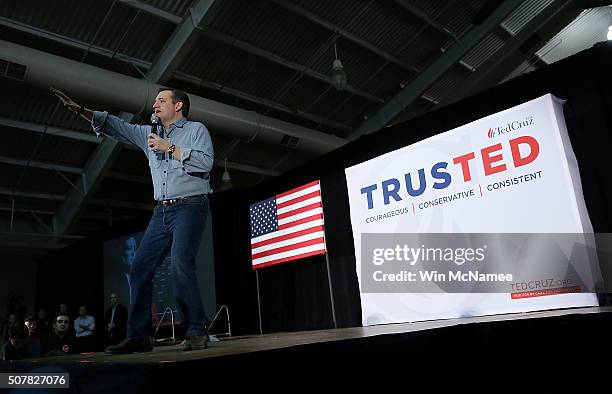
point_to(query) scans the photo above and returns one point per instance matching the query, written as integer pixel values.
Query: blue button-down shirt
(172, 177)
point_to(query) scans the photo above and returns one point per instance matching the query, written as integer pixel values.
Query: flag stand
(329, 281)
(331, 292)
(258, 302)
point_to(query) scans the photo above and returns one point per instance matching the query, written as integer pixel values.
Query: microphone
(154, 129)
(154, 123)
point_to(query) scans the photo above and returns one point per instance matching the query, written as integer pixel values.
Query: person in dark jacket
(115, 321)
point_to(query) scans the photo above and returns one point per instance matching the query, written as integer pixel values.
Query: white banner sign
(511, 172)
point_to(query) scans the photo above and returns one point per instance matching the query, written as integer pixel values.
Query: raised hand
(67, 101)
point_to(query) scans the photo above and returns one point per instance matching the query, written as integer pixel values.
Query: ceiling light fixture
(226, 176)
(338, 75)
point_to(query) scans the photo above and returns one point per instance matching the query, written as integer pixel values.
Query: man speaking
(180, 155)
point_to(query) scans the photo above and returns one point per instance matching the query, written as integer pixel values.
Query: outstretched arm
(110, 125)
(78, 109)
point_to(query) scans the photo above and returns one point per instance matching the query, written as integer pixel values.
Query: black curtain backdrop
(295, 296)
(74, 277)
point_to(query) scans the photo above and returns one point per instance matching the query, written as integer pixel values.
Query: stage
(536, 337)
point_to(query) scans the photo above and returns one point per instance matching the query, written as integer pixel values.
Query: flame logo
(491, 133)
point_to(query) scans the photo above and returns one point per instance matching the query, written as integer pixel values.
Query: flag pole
(329, 281)
(258, 302)
(331, 292)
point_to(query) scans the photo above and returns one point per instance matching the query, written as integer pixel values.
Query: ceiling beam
(58, 38)
(57, 131)
(145, 65)
(128, 177)
(260, 100)
(40, 164)
(247, 168)
(424, 80)
(42, 235)
(179, 43)
(71, 169)
(252, 49)
(38, 128)
(417, 12)
(347, 35)
(545, 24)
(30, 247)
(61, 197)
(141, 5)
(21, 210)
(31, 239)
(102, 216)
(27, 194)
(92, 175)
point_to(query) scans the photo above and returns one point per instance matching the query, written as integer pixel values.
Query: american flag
(288, 226)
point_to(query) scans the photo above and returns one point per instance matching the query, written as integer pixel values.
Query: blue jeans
(176, 229)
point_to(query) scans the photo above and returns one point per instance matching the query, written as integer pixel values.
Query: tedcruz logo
(516, 125)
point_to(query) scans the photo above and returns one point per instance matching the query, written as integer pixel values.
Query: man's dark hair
(29, 318)
(61, 314)
(179, 95)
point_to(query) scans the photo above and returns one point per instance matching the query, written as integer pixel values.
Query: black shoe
(131, 345)
(195, 343)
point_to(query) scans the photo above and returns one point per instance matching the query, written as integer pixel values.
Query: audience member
(44, 325)
(84, 327)
(115, 321)
(33, 335)
(60, 341)
(18, 346)
(11, 321)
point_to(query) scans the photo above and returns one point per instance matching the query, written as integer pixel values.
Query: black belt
(173, 201)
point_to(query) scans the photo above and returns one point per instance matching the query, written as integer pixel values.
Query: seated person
(84, 326)
(44, 325)
(32, 325)
(33, 335)
(12, 320)
(19, 345)
(60, 341)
